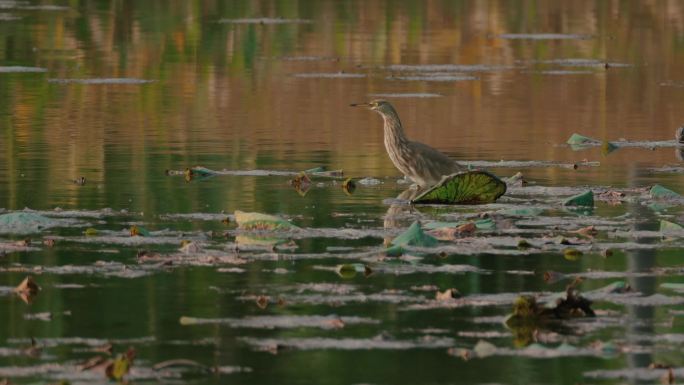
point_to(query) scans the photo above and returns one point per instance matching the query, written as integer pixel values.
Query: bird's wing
(434, 160)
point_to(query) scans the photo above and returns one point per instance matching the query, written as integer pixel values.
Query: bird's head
(381, 106)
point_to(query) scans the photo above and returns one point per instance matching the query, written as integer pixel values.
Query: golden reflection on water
(227, 95)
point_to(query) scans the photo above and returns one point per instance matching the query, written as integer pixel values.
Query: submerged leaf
(472, 187)
(585, 199)
(521, 212)
(322, 171)
(414, 236)
(246, 241)
(258, 221)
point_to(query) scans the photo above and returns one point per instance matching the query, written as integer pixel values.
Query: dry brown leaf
(589, 231)
(262, 301)
(464, 354)
(449, 233)
(446, 295)
(27, 289)
(23, 243)
(668, 378)
(336, 323)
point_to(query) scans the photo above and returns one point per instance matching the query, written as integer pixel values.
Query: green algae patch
(468, 188)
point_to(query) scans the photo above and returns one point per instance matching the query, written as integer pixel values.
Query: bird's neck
(394, 133)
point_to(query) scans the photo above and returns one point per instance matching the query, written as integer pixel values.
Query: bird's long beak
(360, 105)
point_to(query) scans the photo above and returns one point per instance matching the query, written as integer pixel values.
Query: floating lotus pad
(25, 223)
(660, 192)
(585, 199)
(579, 142)
(258, 221)
(415, 236)
(667, 226)
(471, 187)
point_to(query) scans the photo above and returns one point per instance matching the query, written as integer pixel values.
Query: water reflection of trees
(216, 81)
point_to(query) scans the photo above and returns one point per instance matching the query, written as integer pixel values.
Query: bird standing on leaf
(419, 162)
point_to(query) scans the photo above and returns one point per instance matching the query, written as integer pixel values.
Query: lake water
(127, 95)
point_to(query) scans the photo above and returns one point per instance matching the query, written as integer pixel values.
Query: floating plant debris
(543, 36)
(280, 322)
(434, 77)
(330, 75)
(417, 95)
(99, 81)
(320, 343)
(444, 68)
(265, 20)
(20, 69)
(259, 221)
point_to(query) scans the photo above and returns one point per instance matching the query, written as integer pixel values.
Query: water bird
(424, 165)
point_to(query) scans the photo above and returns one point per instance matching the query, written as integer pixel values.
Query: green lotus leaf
(660, 192)
(585, 199)
(666, 226)
(259, 221)
(25, 223)
(414, 236)
(577, 139)
(471, 187)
